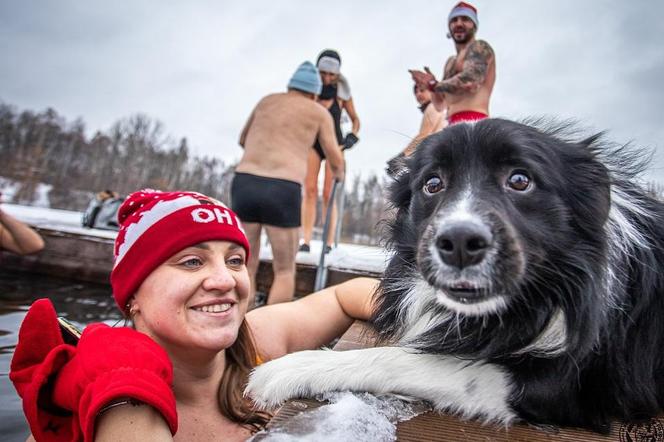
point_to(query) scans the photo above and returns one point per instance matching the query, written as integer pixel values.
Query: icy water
(359, 417)
(81, 303)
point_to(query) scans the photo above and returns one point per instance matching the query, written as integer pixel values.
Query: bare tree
(43, 148)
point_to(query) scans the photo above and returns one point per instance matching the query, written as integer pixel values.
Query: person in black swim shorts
(263, 200)
(267, 188)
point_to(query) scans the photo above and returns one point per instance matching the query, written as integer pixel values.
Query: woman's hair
(241, 358)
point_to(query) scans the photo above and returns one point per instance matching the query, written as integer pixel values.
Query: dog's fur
(526, 284)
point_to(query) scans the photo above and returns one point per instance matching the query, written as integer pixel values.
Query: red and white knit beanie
(155, 225)
(463, 9)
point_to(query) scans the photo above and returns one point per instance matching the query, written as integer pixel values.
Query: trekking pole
(340, 212)
(321, 271)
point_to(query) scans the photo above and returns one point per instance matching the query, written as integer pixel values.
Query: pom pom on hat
(306, 79)
(463, 9)
(155, 225)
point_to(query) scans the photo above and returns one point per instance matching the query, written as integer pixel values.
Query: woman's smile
(213, 308)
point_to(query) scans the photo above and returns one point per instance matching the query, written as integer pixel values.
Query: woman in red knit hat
(180, 275)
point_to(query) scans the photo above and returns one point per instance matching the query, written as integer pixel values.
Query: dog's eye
(519, 181)
(433, 185)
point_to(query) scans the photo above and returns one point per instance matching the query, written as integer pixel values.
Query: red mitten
(108, 363)
(112, 363)
(40, 352)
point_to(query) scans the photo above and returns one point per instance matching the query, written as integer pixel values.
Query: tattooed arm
(473, 73)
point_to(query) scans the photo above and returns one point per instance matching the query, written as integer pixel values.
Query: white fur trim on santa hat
(464, 11)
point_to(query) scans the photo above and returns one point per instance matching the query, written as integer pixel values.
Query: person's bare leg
(284, 248)
(327, 190)
(253, 231)
(310, 196)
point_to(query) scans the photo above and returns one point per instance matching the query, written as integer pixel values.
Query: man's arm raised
(474, 71)
(424, 79)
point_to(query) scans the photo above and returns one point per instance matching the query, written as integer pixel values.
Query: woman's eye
(191, 263)
(519, 181)
(433, 185)
(235, 261)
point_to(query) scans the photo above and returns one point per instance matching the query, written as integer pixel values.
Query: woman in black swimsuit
(335, 97)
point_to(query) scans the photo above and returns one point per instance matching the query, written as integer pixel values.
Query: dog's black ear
(399, 190)
(589, 182)
(396, 165)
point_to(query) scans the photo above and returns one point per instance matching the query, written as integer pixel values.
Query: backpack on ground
(102, 211)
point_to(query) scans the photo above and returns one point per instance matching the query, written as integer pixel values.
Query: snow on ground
(358, 417)
(55, 219)
(9, 188)
(346, 256)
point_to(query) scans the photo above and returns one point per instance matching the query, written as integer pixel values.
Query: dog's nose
(463, 244)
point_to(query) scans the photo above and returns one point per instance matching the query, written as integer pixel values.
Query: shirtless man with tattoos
(468, 77)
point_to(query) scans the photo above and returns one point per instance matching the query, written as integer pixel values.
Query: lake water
(84, 303)
(81, 303)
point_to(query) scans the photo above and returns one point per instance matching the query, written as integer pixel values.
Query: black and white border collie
(527, 285)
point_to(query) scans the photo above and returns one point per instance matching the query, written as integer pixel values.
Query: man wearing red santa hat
(468, 77)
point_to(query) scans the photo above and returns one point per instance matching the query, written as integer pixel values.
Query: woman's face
(328, 78)
(197, 299)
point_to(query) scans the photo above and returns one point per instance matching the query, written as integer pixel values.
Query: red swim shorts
(466, 116)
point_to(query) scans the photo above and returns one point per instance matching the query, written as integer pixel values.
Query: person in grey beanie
(267, 187)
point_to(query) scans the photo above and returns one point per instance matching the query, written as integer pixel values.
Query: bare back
(280, 133)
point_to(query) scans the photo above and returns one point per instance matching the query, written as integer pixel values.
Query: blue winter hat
(306, 79)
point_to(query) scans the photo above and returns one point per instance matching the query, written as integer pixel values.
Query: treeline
(43, 148)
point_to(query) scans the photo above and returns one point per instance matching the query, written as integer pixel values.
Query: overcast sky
(200, 66)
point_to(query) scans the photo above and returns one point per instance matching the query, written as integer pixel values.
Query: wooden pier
(79, 253)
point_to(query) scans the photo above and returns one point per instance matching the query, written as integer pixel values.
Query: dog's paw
(288, 377)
